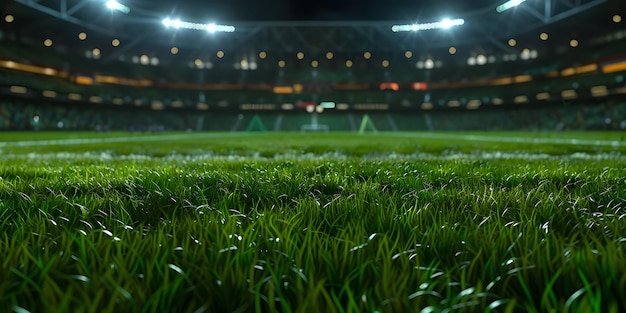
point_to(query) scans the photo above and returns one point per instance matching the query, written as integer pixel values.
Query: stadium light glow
(446, 23)
(114, 5)
(211, 27)
(508, 5)
(443, 24)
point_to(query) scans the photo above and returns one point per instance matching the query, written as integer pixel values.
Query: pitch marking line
(508, 139)
(82, 141)
(154, 138)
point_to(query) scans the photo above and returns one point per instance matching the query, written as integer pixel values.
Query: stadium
(312, 156)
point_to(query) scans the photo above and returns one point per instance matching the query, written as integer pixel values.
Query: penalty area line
(83, 141)
(508, 139)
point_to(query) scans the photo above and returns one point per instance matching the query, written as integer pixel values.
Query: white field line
(82, 141)
(509, 139)
(424, 135)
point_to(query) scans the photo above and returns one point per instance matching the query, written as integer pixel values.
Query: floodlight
(507, 5)
(212, 27)
(443, 24)
(114, 5)
(446, 23)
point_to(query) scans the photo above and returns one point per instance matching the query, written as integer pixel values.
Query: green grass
(312, 223)
(270, 144)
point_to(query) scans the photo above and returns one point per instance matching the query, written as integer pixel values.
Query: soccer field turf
(332, 222)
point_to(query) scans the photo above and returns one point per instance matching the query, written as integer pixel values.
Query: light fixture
(481, 59)
(443, 24)
(114, 5)
(210, 27)
(508, 5)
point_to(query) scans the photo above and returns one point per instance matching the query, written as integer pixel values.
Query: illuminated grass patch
(324, 227)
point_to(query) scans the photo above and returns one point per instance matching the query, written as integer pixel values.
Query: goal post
(366, 123)
(256, 124)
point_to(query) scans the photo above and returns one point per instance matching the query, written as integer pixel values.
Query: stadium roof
(237, 11)
(320, 10)
(294, 25)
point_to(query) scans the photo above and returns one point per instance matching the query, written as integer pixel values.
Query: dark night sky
(272, 10)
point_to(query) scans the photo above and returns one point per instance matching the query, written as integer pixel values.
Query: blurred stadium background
(344, 65)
